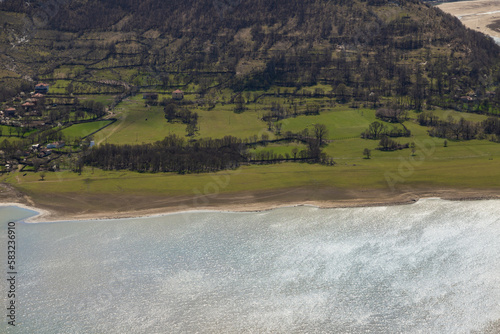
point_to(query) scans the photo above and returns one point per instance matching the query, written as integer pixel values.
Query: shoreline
(475, 14)
(52, 216)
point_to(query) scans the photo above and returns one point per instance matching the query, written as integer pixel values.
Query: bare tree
(320, 132)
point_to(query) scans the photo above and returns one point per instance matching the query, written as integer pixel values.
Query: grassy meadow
(83, 129)
(386, 175)
(460, 165)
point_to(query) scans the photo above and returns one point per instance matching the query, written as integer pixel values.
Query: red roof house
(178, 94)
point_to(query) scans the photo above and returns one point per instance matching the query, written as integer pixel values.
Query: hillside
(369, 46)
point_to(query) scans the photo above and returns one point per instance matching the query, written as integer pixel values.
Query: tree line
(378, 130)
(175, 154)
(461, 129)
(172, 154)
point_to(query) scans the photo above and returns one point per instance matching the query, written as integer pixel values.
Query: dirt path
(115, 126)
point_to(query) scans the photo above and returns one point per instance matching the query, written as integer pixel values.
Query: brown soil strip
(79, 206)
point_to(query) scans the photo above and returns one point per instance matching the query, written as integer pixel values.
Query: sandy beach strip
(480, 15)
(122, 207)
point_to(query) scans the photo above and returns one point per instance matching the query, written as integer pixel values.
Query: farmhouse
(57, 144)
(10, 111)
(42, 88)
(177, 94)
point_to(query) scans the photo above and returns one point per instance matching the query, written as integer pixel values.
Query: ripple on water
(430, 267)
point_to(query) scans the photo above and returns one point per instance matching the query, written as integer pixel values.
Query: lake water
(430, 267)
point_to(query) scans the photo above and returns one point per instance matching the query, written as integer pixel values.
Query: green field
(59, 87)
(222, 121)
(10, 133)
(482, 173)
(138, 124)
(460, 165)
(341, 122)
(8, 130)
(104, 99)
(84, 129)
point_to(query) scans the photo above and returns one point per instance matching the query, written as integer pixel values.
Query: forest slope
(368, 46)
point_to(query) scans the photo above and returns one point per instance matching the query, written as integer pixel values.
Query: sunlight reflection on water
(430, 267)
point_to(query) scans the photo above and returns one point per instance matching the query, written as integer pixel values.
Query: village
(33, 128)
(30, 127)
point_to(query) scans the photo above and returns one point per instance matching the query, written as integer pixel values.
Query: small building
(177, 94)
(42, 88)
(466, 99)
(28, 105)
(10, 112)
(38, 96)
(57, 144)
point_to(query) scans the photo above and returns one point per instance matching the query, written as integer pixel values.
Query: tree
(69, 89)
(165, 80)
(277, 127)
(239, 101)
(191, 129)
(79, 114)
(367, 153)
(342, 93)
(375, 130)
(42, 176)
(170, 112)
(320, 132)
(36, 164)
(387, 144)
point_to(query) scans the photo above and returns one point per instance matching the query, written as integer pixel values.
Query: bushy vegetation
(461, 129)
